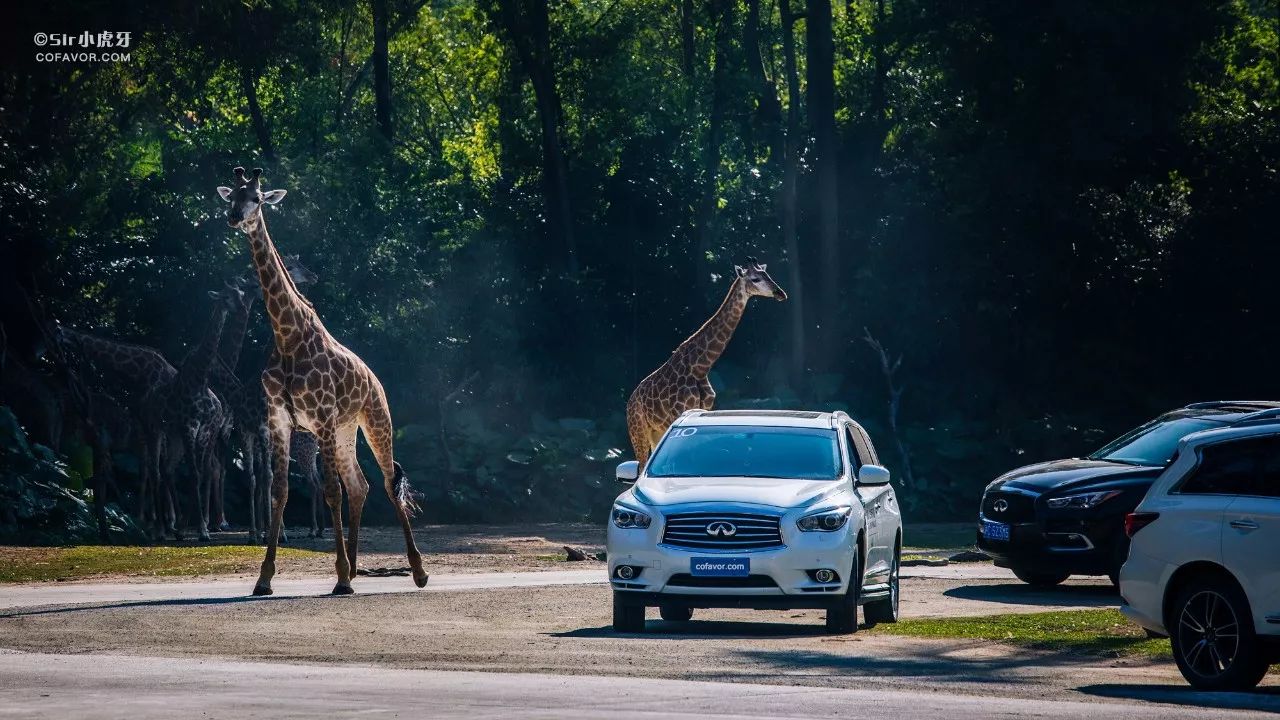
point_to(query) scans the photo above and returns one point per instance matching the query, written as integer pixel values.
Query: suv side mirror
(873, 475)
(628, 471)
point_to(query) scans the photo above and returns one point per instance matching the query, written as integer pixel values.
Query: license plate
(720, 566)
(995, 530)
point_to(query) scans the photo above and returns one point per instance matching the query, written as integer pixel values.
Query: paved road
(39, 594)
(38, 686)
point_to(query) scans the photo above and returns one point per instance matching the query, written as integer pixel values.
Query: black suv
(1052, 520)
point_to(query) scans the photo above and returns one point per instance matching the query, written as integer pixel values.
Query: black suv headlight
(825, 521)
(624, 517)
(1081, 501)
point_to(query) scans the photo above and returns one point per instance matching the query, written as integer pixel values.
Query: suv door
(1201, 498)
(876, 566)
(1251, 536)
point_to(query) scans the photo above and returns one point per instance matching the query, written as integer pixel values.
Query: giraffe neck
(234, 332)
(705, 346)
(194, 371)
(140, 367)
(290, 314)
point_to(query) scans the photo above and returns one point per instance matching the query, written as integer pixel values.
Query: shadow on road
(698, 630)
(1264, 698)
(1074, 595)
(172, 602)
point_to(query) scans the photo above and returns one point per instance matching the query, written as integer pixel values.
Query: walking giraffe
(681, 382)
(314, 383)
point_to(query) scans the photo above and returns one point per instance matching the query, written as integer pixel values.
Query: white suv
(757, 509)
(1204, 563)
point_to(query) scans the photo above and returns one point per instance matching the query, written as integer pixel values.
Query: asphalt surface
(139, 688)
(40, 594)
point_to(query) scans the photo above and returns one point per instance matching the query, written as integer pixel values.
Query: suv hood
(758, 491)
(1064, 474)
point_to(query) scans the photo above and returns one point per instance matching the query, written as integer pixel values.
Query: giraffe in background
(681, 382)
(314, 383)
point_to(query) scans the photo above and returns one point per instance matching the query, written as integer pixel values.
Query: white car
(1204, 560)
(757, 509)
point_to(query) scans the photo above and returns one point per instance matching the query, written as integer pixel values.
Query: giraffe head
(229, 299)
(247, 199)
(301, 275)
(758, 281)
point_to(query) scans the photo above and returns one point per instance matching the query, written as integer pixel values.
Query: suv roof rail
(1268, 415)
(1212, 404)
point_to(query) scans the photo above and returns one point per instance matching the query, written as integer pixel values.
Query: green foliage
(1037, 201)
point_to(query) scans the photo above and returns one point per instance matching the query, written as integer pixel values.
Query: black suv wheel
(842, 616)
(1214, 642)
(675, 613)
(628, 617)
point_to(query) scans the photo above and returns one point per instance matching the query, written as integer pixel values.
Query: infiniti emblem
(720, 528)
(999, 506)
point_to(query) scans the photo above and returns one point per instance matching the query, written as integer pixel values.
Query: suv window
(863, 452)
(1237, 467)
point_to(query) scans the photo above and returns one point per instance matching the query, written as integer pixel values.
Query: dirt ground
(566, 630)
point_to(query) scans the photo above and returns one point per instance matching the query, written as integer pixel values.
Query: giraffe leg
(280, 426)
(639, 437)
(199, 464)
(333, 496)
(357, 489)
(248, 454)
(375, 422)
(265, 475)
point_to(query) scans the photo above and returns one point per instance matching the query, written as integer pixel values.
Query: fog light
(824, 576)
(626, 572)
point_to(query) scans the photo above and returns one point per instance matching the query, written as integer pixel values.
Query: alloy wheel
(1209, 634)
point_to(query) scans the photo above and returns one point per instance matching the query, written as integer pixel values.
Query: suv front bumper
(1079, 547)
(779, 576)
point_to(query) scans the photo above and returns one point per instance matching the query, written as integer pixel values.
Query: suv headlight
(624, 517)
(1081, 501)
(825, 521)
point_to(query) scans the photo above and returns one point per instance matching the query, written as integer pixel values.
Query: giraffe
(134, 372)
(305, 450)
(681, 382)
(194, 412)
(314, 383)
(245, 401)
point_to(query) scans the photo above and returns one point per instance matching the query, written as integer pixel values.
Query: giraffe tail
(404, 493)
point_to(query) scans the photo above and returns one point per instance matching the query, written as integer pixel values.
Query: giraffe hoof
(262, 590)
(421, 580)
(341, 589)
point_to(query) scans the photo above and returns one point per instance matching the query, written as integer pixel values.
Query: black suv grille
(750, 581)
(1013, 507)
(733, 531)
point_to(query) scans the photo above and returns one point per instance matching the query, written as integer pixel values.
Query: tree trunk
(687, 44)
(787, 199)
(821, 76)
(381, 71)
(527, 23)
(249, 85)
(722, 16)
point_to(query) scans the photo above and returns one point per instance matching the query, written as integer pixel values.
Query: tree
(381, 71)
(822, 120)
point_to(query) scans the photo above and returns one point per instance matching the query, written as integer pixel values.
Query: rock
(577, 554)
(925, 562)
(969, 556)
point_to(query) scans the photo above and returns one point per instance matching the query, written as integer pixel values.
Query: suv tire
(675, 613)
(886, 610)
(628, 617)
(842, 616)
(1041, 579)
(1211, 657)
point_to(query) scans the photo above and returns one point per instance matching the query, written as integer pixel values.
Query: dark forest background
(1061, 215)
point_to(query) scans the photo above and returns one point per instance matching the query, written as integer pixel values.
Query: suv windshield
(747, 451)
(1153, 443)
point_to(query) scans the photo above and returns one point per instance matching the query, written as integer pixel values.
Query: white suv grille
(722, 531)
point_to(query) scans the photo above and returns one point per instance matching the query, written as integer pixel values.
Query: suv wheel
(885, 611)
(628, 617)
(1041, 579)
(842, 616)
(1213, 639)
(675, 613)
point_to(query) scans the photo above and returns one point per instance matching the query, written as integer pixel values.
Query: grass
(1103, 632)
(32, 564)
